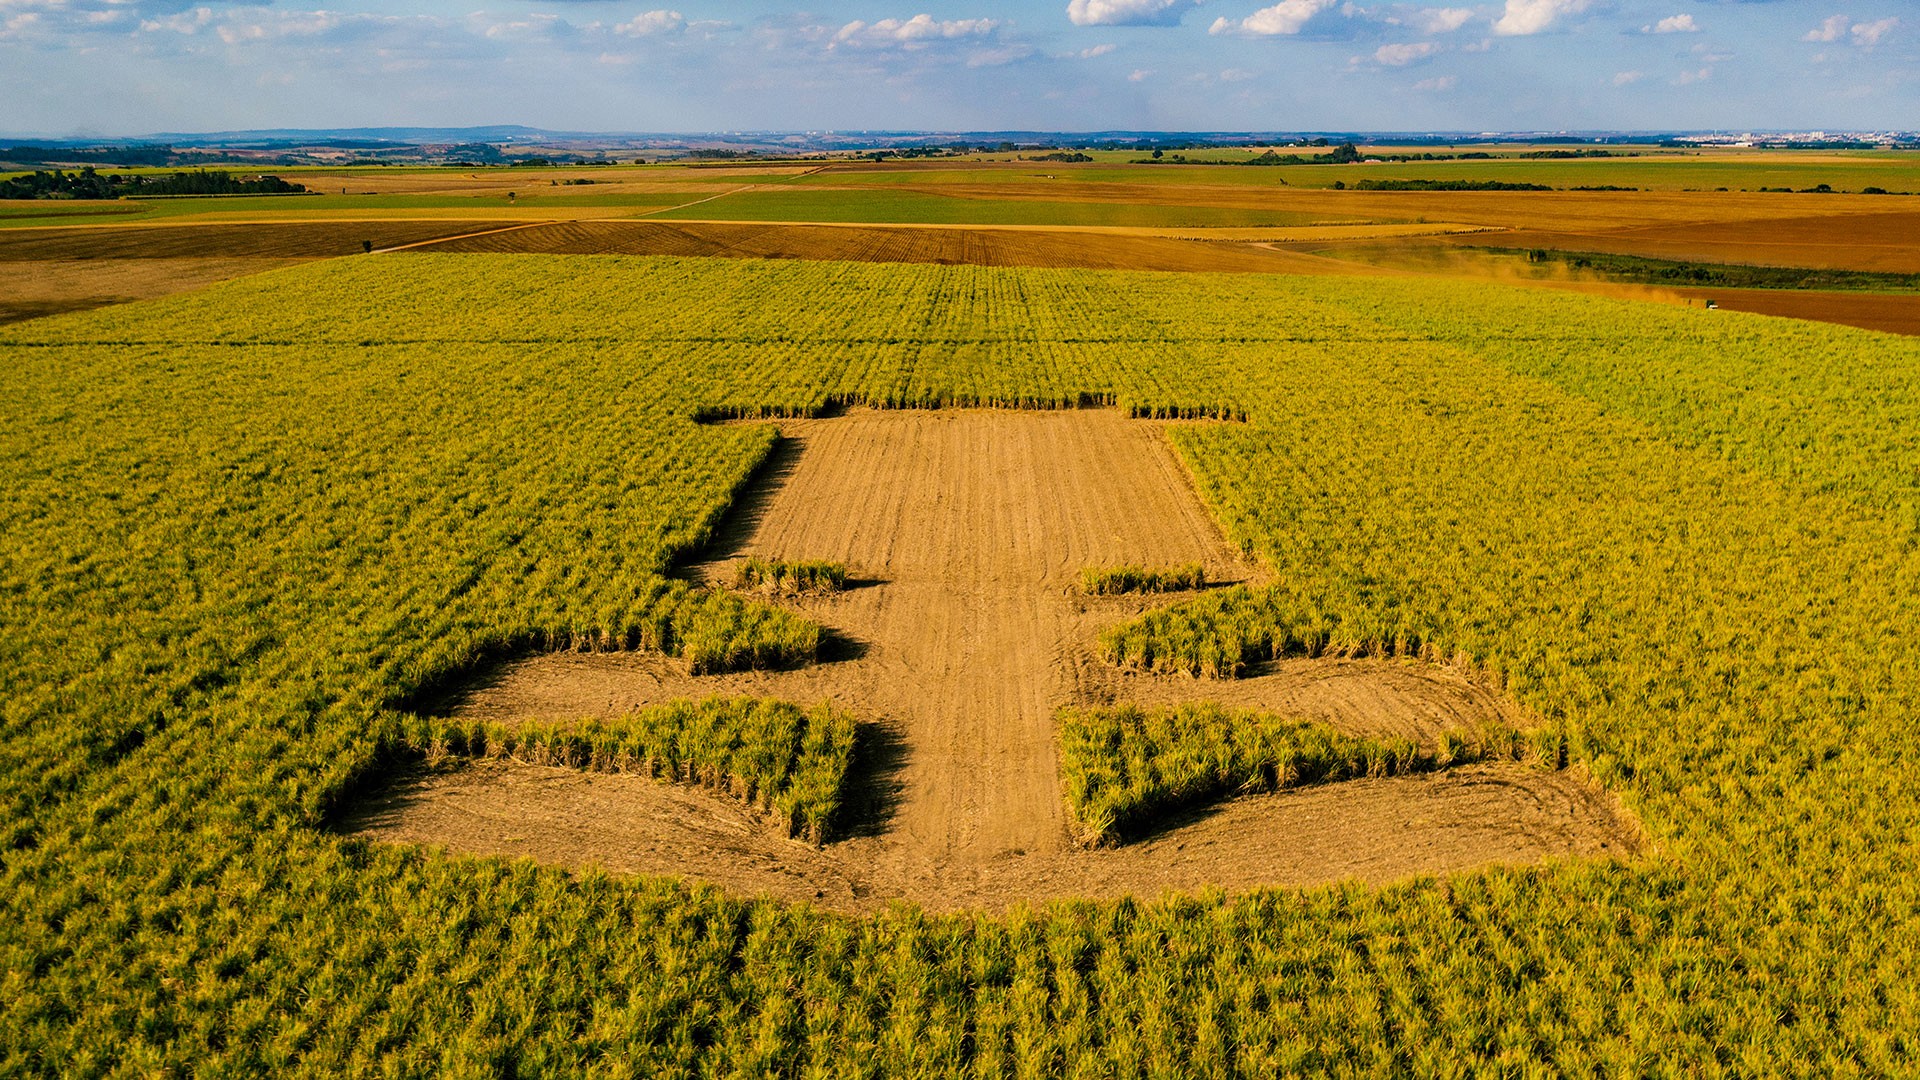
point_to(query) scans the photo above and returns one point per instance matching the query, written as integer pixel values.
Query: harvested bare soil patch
(257, 240)
(975, 246)
(1887, 241)
(1894, 313)
(1375, 831)
(962, 637)
(51, 286)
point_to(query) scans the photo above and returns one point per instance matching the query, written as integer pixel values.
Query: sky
(129, 67)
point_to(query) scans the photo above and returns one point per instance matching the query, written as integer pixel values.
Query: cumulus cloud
(1097, 50)
(1627, 78)
(1869, 34)
(1439, 85)
(1128, 12)
(1400, 55)
(917, 32)
(1285, 17)
(1524, 17)
(185, 22)
(1833, 28)
(1140, 75)
(1840, 27)
(1672, 24)
(1688, 78)
(650, 23)
(1436, 20)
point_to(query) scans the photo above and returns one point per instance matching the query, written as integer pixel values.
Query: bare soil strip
(463, 236)
(281, 240)
(964, 635)
(996, 245)
(53, 286)
(1373, 831)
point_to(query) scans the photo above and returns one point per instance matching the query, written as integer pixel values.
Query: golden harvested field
(965, 635)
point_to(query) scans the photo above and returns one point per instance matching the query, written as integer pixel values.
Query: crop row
(1116, 580)
(778, 757)
(1124, 767)
(784, 577)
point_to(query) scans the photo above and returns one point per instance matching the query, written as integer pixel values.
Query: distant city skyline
(74, 68)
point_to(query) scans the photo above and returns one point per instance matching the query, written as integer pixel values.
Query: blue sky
(112, 67)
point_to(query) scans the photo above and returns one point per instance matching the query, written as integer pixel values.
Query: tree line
(89, 184)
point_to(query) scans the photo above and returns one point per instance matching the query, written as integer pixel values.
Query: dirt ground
(250, 240)
(1893, 313)
(978, 246)
(1886, 241)
(46, 271)
(1373, 831)
(962, 636)
(51, 286)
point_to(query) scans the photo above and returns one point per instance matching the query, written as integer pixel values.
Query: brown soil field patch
(287, 240)
(51, 286)
(963, 636)
(1893, 313)
(1883, 241)
(1570, 211)
(1372, 831)
(970, 245)
(488, 182)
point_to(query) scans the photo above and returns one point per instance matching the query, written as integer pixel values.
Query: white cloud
(1869, 34)
(1627, 78)
(534, 27)
(649, 23)
(1864, 34)
(1400, 55)
(1436, 86)
(1688, 78)
(1140, 75)
(1523, 17)
(1832, 29)
(1437, 20)
(1128, 12)
(1285, 17)
(186, 22)
(1673, 24)
(1097, 50)
(912, 33)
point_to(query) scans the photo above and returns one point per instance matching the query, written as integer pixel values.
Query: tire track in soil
(966, 531)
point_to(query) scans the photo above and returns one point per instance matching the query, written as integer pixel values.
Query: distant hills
(498, 144)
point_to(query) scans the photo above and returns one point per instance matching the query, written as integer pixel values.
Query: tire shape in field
(972, 527)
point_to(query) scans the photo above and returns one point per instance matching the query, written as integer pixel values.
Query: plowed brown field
(967, 531)
(977, 246)
(250, 240)
(49, 287)
(1888, 242)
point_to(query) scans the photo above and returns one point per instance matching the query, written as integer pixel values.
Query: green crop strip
(1124, 768)
(1116, 580)
(784, 760)
(781, 577)
(235, 541)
